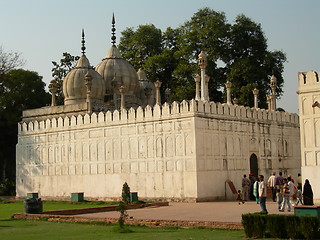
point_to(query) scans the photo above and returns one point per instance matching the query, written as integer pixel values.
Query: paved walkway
(206, 211)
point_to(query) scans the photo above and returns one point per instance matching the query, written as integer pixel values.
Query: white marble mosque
(113, 129)
(309, 112)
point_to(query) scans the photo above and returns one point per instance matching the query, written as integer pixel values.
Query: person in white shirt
(262, 194)
(293, 190)
(272, 185)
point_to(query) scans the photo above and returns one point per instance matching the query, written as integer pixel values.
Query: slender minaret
(157, 84)
(202, 62)
(122, 102)
(197, 80)
(53, 87)
(255, 95)
(228, 88)
(88, 83)
(269, 100)
(207, 87)
(273, 86)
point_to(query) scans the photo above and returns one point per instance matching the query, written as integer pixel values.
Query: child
(279, 198)
(299, 196)
(239, 197)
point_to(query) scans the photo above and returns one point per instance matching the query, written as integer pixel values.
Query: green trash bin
(133, 197)
(77, 197)
(32, 195)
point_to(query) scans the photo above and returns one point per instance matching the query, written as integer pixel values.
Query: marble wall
(183, 151)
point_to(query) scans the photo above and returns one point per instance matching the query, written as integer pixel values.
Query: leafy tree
(250, 63)
(60, 70)
(20, 90)
(236, 52)
(137, 46)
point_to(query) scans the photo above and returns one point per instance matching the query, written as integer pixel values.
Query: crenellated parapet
(166, 111)
(308, 81)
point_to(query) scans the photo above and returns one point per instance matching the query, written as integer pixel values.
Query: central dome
(117, 72)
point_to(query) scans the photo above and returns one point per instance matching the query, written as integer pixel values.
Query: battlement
(308, 80)
(166, 111)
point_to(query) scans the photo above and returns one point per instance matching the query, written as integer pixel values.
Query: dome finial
(113, 38)
(83, 48)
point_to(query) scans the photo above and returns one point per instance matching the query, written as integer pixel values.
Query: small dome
(117, 72)
(202, 55)
(147, 88)
(273, 80)
(74, 88)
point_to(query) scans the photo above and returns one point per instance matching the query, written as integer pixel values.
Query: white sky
(42, 30)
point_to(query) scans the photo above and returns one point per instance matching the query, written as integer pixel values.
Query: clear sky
(41, 30)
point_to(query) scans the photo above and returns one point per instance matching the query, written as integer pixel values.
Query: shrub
(280, 226)
(126, 193)
(7, 188)
(254, 224)
(275, 226)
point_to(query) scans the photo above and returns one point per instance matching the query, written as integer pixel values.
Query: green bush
(280, 226)
(309, 227)
(126, 193)
(7, 188)
(275, 226)
(254, 224)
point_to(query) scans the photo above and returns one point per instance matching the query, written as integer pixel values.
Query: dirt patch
(131, 221)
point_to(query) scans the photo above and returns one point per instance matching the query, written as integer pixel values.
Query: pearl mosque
(113, 128)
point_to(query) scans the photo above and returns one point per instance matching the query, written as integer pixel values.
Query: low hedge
(258, 225)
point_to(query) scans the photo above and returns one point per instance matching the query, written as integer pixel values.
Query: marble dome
(74, 88)
(116, 72)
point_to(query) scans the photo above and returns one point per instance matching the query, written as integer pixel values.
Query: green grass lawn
(7, 208)
(25, 230)
(21, 229)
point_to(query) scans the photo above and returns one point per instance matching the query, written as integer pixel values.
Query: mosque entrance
(254, 164)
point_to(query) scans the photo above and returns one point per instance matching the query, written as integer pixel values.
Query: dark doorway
(254, 165)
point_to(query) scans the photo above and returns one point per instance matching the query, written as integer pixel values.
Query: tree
(60, 70)
(9, 61)
(20, 90)
(137, 46)
(250, 64)
(236, 52)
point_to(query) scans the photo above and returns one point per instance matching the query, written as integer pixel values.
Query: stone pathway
(229, 212)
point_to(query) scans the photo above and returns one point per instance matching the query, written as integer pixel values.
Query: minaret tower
(202, 62)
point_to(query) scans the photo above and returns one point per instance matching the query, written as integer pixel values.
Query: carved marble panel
(169, 146)
(93, 169)
(101, 168)
(142, 147)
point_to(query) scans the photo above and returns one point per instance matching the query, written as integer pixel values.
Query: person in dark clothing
(252, 181)
(307, 193)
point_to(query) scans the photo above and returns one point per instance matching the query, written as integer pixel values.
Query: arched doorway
(254, 164)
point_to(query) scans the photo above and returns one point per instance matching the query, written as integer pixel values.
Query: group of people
(284, 191)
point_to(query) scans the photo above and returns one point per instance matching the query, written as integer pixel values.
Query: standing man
(286, 196)
(245, 188)
(292, 189)
(279, 181)
(252, 181)
(272, 185)
(262, 194)
(299, 181)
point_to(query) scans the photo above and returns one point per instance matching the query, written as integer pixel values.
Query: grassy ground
(12, 229)
(7, 208)
(20, 229)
